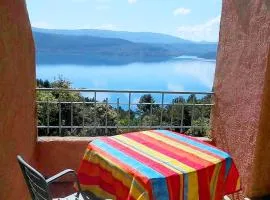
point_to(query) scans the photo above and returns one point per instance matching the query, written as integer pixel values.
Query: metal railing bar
(48, 118)
(115, 103)
(120, 127)
(202, 109)
(60, 117)
(166, 109)
(95, 112)
(182, 116)
(140, 118)
(193, 109)
(117, 117)
(71, 117)
(106, 116)
(83, 115)
(122, 91)
(151, 114)
(129, 104)
(162, 105)
(171, 114)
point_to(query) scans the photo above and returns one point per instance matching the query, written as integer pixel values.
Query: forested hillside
(54, 48)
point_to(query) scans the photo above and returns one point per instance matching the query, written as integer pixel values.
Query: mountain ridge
(66, 48)
(141, 37)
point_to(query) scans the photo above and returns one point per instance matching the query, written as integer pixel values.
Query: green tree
(146, 104)
(46, 110)
(178, 113)
(148, 112)
(201, 116)
(73, 109)
(43, 84)
(201, 128)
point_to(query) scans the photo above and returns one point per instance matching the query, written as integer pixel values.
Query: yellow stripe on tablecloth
(118, 173)
(183, 147)
(147, 150)
(180, 173)
(214, 180)
(193, 186)
(167, 162)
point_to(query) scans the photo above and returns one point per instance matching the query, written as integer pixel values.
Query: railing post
(172, 109)
(83, 115)
(106, 117)
(129, 102)
(161, 112)
(95, 113)
(202, 119)
(151, 114)
(192, 112)
(71, 117)
(118, 113)
(60, 118)
(48, 117)
(182, 116)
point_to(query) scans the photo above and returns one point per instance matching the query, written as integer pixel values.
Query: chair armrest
(61, 174)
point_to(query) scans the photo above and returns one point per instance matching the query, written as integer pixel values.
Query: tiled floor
(64, 189)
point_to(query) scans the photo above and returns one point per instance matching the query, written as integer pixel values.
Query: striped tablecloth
(158, 165)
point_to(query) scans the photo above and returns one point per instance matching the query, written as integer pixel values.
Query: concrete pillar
(17, 96)
(241, 115)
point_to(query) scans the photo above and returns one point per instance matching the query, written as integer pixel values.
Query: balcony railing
(85, 112)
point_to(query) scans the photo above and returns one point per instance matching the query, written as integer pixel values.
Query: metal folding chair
(38, 185)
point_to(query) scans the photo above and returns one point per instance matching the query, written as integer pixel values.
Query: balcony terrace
(239, 117)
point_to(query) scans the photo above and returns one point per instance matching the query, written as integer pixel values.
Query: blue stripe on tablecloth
(157, 180)
(202, 146)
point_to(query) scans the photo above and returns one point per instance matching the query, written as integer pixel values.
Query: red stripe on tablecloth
(143, 180)
(171, 151)
(189, 145)
(220, 182)
(173, 179)
(187, 136)
(231, 182)
(204, 183)
(183, 157)
(105, 181)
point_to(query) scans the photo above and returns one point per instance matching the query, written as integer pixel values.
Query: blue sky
(189, 19)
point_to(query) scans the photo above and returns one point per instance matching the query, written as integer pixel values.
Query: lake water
(178, 74)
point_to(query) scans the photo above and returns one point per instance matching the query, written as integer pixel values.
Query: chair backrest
(35, 181)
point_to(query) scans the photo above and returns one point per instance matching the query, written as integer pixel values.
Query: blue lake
(178, 74)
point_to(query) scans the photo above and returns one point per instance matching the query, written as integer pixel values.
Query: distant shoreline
(81, 59)
(195, 58)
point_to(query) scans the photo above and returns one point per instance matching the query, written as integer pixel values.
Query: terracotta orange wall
(17, 96)
(241, 113)
(58, 153)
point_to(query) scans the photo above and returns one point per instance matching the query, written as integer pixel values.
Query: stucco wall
(17, 92)
(58, 153)
(241, 112)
